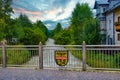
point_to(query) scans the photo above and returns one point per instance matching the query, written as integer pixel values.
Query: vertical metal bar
(91, 58)
(94, 59)
(48, 58)
(40, 56)
(84, 56)
(3, 55)
(118, 60)
(115, 60)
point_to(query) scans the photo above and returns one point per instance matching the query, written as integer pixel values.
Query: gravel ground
(30, 74)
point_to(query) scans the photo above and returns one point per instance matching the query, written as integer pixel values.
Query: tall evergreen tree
(24, 21)
(80, 14)
(57, 29)
(82, 21)
(41, 26)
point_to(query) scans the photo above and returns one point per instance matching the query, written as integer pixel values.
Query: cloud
(49, 11)
(25, 4)
(62, 3)
(52, 24)
(22, 10)
(66, 11)
(32, 15)
(52, 14)
(90, 2)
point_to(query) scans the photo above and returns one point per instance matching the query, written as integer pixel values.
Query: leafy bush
(33, 36)
(64, 37)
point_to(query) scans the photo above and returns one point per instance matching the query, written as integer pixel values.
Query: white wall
(109, 26)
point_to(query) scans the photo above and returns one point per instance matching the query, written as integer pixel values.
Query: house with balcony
(108, 13)
(101, 7)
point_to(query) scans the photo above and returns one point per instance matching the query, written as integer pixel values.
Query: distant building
(108, 13)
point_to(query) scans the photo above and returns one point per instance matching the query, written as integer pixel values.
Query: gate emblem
(61, 57)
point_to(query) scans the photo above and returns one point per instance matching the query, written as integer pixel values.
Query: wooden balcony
(117, 28)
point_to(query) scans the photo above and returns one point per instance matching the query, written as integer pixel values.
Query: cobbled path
(30, 74)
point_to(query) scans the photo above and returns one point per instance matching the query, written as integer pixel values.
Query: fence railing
(103, 56)
(80, 57)
(49, 56)
(0, 55)
(19, 55)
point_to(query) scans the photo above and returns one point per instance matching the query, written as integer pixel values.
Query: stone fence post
(40, 56)
(84, 56)
(3, 54)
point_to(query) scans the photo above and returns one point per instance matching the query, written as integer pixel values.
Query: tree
(5, 8)
(80, 14)
(5, 12)
(84, 25)
(21, 28)
(91, 34)
(33, 36)
(28, 33)
(2, 28)
(24, 21)
(41, 26)
(57, 29)
(18, 30)
(64, 37)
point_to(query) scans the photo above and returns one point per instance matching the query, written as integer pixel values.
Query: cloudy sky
(48, 11)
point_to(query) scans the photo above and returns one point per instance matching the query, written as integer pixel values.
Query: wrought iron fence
(21, 56)
(73, 62)
(98, 57)
(80, 57)
(0, 55)
(103, 57)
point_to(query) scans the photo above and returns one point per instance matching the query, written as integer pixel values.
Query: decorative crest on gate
(61, 57)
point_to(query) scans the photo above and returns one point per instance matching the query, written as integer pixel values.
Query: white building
(108, 12)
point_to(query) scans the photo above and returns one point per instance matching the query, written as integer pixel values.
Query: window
(109, 24)
(103, 9)
(119, 19)
(118, 37)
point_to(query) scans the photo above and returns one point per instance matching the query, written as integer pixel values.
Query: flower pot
(117, 28)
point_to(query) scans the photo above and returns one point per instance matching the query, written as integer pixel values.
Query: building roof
(100, 2)
(114, 7)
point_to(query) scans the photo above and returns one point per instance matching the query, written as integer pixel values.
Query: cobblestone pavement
(30, 74)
